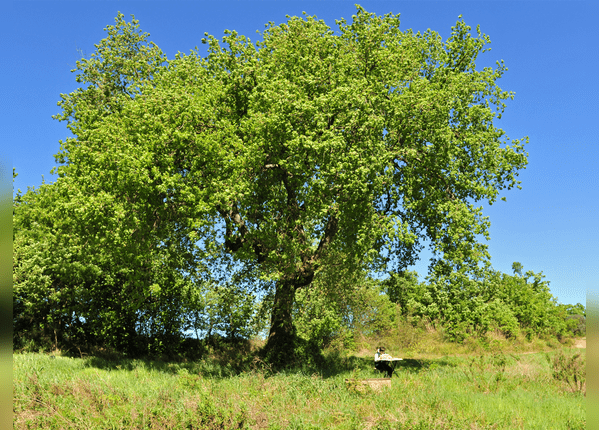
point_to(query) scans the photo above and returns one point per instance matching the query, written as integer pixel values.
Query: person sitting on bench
(381, 362)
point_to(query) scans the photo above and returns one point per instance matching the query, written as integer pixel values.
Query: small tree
(517, 268)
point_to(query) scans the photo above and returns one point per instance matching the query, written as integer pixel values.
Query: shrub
(576, 324)
(570, 369)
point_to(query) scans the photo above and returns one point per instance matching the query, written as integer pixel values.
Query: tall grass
(495, 390)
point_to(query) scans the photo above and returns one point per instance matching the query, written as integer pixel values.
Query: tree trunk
(281, 339)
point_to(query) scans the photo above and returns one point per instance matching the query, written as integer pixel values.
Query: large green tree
(291, 152)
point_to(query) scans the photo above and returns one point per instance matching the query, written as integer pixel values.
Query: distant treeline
(511, 306)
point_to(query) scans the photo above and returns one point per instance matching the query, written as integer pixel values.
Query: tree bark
(281, 338)
(281, 343)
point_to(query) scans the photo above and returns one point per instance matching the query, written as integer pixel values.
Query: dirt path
(579, 343)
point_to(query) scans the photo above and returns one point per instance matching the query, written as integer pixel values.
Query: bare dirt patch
(581, 343)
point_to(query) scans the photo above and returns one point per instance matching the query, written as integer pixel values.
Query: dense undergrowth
(498, 385)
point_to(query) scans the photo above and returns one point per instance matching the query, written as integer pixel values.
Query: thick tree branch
(232, 218)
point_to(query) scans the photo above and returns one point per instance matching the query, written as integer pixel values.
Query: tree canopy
(310, 150)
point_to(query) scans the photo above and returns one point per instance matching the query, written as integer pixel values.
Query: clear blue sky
(550, 49)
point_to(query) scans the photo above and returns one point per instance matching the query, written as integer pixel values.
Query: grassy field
(491, 390)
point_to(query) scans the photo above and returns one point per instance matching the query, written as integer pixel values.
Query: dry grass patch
(368, 386)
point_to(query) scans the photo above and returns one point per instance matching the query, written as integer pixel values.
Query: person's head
(381, 349)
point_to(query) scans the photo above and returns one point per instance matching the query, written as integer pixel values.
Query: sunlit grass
(495, 390)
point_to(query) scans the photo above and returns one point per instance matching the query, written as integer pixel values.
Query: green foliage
(317, 316)
(100, 258)
(458, 306)
(569, 369)
(517, 268)
(309, 154)
(490, 301)
(404, 289)
(77, 289)
(338, 312)
(123, 62)
(577, 309)
(375, 314)
(502, 318)
(575, 316)
(227, 311)
(576, 325)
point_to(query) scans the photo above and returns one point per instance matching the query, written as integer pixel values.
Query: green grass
(480, 391)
